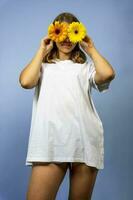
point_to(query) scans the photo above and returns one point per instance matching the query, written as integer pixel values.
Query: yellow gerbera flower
(58, 31)
(76, 32)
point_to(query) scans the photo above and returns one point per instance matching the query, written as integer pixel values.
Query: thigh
(45, 180)
(82, 180)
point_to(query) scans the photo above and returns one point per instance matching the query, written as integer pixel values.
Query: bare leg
(82, 180)
(45, 180)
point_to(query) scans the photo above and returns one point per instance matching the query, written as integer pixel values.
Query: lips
(66, 44)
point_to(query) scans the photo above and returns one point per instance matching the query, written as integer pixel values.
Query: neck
(64, 56)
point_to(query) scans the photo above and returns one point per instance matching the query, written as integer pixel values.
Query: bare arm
(104, 70)
(31, 73)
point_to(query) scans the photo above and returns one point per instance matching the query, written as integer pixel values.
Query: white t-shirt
(65, 126)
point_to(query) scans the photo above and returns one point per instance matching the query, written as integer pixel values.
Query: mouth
(66, 44)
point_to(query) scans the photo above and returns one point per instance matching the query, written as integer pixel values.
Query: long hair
(77, 55)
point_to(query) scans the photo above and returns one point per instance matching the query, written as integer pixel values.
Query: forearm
(30, 74)
(103, 67)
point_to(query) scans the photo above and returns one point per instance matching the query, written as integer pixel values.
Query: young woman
(66, 130)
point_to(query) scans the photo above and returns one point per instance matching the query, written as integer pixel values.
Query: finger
(51, 41)
(45, 37)
(83, 43)
(47, 41)
(86, 39)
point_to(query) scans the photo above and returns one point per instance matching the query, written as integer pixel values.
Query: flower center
(76, 31)
(57, 31)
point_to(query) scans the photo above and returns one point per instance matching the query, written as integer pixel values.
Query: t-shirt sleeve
(91, 74)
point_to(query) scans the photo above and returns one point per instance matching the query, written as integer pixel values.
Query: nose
(67, 39)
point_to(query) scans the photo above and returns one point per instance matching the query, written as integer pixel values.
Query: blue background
(110, 24)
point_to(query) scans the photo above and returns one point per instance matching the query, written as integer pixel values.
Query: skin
(31, 73)
(46, 178)
(104, 70)
(82, 181)
(65, 51)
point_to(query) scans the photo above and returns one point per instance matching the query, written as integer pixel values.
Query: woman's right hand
(46, 44)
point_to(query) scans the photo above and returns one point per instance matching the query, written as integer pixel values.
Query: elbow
(23, 83)
(111, 75)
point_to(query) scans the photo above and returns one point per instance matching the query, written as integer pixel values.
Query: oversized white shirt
(65, 126)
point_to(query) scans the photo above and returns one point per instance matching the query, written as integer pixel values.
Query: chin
(66, 50)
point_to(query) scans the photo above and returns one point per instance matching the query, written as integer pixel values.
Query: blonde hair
(77, 55)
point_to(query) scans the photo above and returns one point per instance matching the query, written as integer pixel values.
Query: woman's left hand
(87, 44)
